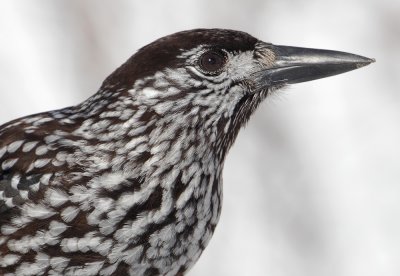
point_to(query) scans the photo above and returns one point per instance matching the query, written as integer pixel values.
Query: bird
(129, 182)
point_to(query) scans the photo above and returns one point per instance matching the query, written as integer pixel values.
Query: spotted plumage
(129, 181)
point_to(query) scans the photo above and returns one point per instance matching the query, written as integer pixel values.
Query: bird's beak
(287, 65)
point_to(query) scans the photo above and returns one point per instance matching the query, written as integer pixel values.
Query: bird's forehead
(189, 40)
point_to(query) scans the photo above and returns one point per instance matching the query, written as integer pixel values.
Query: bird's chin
(267, 89)
(277, 86)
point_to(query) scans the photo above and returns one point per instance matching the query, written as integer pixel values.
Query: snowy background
(312, 185)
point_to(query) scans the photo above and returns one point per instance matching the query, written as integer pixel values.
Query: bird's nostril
(265, 54)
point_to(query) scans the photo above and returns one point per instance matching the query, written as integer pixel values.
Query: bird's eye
(212, 62)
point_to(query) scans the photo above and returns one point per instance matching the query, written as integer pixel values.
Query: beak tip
(365, 62)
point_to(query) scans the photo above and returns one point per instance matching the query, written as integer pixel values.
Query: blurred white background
(312, 185)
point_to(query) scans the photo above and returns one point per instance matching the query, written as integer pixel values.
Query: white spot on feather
(59, 263)
(132, 255)
(150, 92)
(8, 229)
(69, 245)
(41, 150)
(20, 221)
(109, 270)
(14, 146)
(69, 213)
(80, 194)
(104, 247)
(45, 178)
(29, 146)
(56, 228)
(8, 164)
(61, 156)
(15, 181)
(9, 259)
(40, 163)
(51, 138)
(56, 197)
(2, 240)
(109, 181)
(37, 211)
(43, 120)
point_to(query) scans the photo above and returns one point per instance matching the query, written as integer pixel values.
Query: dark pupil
(212, 62)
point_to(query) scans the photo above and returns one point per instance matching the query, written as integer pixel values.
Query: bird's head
(216, 78)
(218, 58)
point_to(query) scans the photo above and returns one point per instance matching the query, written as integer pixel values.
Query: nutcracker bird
(129, 181)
